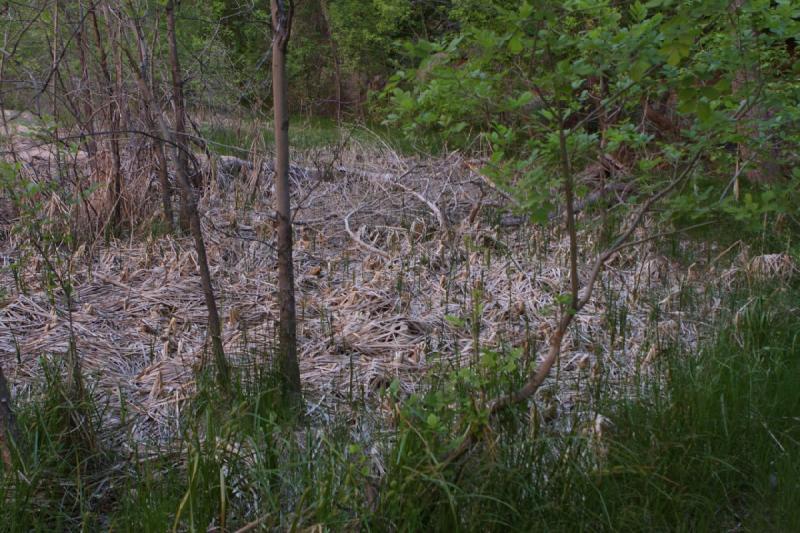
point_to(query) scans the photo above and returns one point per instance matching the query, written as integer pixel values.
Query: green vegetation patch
(707, 441)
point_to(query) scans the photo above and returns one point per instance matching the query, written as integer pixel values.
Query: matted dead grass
(389, 295)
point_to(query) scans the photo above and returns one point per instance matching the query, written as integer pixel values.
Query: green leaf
(676, 50)
(564, 299)
(639, 69)
(521, 100)
(539, 214)
(453, 46)
(703, 110)
(455, 321)
(638, 11)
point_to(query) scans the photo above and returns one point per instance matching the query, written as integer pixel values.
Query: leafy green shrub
(643, 85)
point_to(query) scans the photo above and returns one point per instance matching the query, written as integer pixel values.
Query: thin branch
(358, 240)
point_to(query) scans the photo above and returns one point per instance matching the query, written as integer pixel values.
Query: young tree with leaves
(562, 93)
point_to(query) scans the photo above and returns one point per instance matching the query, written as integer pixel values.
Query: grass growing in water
(709, 442)
(714, 442)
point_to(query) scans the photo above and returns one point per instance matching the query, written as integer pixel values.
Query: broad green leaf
(703, 110)
(639, 69)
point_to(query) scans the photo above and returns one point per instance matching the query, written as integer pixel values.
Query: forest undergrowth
(417, 305)
(703, 440)
(399, 265)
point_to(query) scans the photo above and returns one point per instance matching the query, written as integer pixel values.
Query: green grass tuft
(709, 441)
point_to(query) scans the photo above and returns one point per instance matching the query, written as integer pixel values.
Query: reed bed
(403, 267)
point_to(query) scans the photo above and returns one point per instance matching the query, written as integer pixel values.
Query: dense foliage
(637, 87)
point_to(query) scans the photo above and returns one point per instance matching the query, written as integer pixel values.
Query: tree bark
(337, 67)
(86, 91)
(184, 216)
(163, 177)
(8, 425)
(569, 197)
(287, 348)
(148, 95)
(189, 204)
(115, 187)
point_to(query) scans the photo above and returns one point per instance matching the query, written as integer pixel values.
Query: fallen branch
(358, 240)
(432, 206)
(232, 165)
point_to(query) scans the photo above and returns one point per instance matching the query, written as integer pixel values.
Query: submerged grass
(708, 441)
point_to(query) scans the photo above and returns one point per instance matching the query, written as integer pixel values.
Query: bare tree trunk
(117, 123)
(163, 178)
(177, 97)
(115, 189)
(7, 422)
(337, 67)
(148, 95)
(190, 205)
(88, 108)
(54, 65)
(287, 349)
(119, 87)
(8, 425)
(569, 194)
